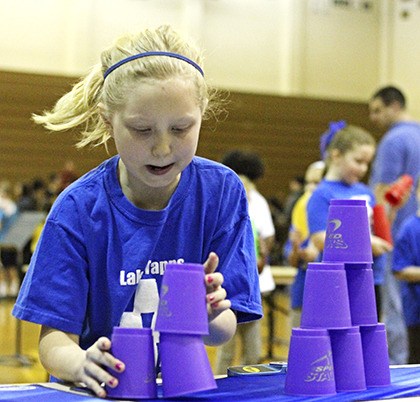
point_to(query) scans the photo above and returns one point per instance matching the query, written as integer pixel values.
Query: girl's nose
(162, 145)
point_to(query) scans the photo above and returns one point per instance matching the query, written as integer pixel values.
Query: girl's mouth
(159, 170)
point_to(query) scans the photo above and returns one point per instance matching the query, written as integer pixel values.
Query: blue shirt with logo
(96, 246)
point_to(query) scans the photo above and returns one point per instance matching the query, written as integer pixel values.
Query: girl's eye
(142, 130)
(178, 129)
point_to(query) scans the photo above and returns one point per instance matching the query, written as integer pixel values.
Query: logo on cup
(334, 239)
(321, 369)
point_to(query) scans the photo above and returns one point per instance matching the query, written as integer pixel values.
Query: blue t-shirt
(398, 153)
(97, 246)
(407, 253)
(319, 203)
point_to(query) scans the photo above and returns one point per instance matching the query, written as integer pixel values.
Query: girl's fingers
(103, 343)
(95, 387)
(99, 355)
(216, 297)
(95, 375)
(213, 281)
(217, 308)
(211, 263)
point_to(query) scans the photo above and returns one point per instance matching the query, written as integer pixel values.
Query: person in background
(67, 175)
(154, 202)
(398, 153)
(406, 268)
(347, 151)
(296, 189)
(9, 275)
(250, 167)
(25, 198)
(299, 250)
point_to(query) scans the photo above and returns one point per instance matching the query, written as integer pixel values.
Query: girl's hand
(216, 295)
(93, 371)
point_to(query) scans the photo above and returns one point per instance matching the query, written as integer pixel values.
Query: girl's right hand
(93, 370)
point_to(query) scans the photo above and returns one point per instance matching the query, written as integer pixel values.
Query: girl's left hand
(216, 294)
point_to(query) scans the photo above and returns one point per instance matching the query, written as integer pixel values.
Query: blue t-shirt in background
(319, 203)
(407, 253)
(398, 153)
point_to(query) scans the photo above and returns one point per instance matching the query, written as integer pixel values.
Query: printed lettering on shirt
(132, 278)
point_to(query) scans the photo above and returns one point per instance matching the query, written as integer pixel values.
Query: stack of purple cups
(182, 321)
(339, 322)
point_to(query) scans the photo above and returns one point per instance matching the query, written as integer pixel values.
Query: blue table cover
(405, 383)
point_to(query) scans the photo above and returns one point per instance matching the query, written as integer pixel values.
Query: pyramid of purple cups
(181, 322)
(340, 346)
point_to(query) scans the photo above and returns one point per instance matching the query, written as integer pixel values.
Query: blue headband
(147, 54)
(328, 136)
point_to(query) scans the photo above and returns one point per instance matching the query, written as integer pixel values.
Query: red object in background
(399, 189)
(381, 225)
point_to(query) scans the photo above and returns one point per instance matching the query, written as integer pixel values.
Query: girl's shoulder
(214, 172)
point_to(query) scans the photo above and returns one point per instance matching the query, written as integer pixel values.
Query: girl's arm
(409, 274)
(62, 356)
(318, 240)
(380, 246)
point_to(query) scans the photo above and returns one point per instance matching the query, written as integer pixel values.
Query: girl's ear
(105, 115)
(334, 154)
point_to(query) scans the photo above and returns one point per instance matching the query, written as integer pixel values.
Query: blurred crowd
(37, 194)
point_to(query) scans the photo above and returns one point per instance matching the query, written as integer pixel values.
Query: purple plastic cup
(325, 297)
(361, 286)
(375, 355)
(348, 235)
(182, 306)
(185, 365)
(134, 347)
(347, 352)
(310, 369)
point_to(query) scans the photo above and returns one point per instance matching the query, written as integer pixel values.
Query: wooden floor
(19, 363)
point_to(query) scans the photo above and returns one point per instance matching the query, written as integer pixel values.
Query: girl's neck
(332, 175)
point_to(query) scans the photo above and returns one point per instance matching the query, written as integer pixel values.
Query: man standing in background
(398, 153)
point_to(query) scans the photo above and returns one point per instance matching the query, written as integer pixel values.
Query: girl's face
(156, 134)
(353, 165)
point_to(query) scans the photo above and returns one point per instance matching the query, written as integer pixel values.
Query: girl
(110, 233)
(347, 151)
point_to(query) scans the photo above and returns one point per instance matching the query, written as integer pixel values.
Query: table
(269, 388)
(283, 275)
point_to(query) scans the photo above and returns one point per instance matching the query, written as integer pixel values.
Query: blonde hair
(79, 107)
(347, 138)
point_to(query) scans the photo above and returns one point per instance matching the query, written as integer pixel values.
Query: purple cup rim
(373, 327)
(349, 330)
(309, 332)
(348, 202)
(185, 266)
(131, 331)
(358, 265)
(326, 266)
